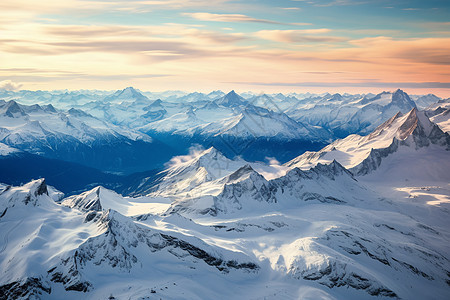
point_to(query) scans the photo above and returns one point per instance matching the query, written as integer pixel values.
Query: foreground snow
(384, 241)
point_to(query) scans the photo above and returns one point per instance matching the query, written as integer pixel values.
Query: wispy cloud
(299, 36)
(46, 42)
(432, 51)
(204, 16)
(10, 85)
(377, 84)
(327, 3)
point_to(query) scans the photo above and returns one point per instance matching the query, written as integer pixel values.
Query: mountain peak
(230, 100)
(78, 113)
(13, 109)
(87, 201)
(128, 93)
(401, 126)
(240, 173)
(402, 100)
(28, 194)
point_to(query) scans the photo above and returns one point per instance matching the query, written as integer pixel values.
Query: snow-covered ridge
(245, 190)
(350, 245)
(363, 153)
(22, 124)
(72, 249)
(319, 117)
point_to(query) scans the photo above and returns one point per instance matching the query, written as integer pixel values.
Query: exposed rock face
(416, 131)
(117, 247)
(29, 194)
(363, 154)
(29, 288)
(245, 188)
(87, 201)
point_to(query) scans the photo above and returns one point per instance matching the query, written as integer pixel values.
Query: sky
(205, 45)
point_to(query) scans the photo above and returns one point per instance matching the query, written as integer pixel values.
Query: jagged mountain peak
(398, 100)
(13, 110)
(157, 102)
(243, 173)
(30, 193)
(36, 187)
(410, 123)
(208, 158)
(87, 201)
(49, 108)
(334, 97)
(216, 94)
(401, 126)
(332, 169)
(96, 199)
(230, 100)
(128, 93)
(329, 170)
(78, 113)
(413, 129)
(402, 99)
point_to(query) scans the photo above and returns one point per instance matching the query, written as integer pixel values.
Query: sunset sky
(203, 45)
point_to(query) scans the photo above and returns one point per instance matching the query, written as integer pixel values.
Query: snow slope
(358, 153)
(371, 245)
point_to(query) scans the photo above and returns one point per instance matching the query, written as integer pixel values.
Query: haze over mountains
(285, 196)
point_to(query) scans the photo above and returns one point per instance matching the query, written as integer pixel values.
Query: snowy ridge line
(363, 154)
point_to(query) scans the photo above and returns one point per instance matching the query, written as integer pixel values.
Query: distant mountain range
(130, 131)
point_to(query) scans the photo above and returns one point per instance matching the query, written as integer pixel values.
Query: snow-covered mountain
(439, 114)
(21, 124)
(77, 136)
(61, 99)
(126, 94)
(423, 101)
(362, 154)
(6, 150)
(201, 170)
(236, 125)
(318, 233)
(51, 251)
(232, 115)
(351, 114)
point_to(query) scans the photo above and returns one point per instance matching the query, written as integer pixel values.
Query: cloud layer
(181, 45)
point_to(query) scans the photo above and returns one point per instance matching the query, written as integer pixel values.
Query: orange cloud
(79, 56)
(299, 36)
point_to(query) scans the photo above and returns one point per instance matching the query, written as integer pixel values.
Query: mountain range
(186, 214)
(365, 217)
(113, 131)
